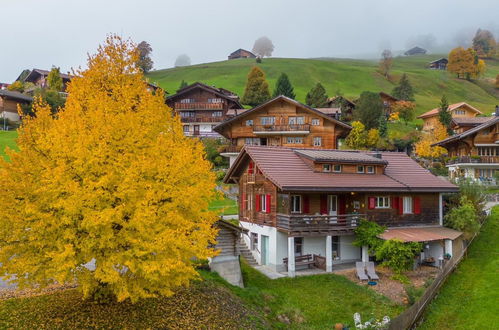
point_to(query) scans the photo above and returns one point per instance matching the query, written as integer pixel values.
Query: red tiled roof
(434, 112)
(420, 234)
(288, 171)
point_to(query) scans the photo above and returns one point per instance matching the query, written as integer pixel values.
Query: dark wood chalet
(440, 64)
(241, 53)
(9, 100)
(202, 107)
(39, 78)
(346, 107)
(282, 122)
(415, 51)
(308, 201)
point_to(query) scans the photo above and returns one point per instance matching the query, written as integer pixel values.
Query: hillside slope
(351, 77)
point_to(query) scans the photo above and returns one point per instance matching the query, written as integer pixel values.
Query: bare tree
(182, 60)
(385, 64)
(263, 47)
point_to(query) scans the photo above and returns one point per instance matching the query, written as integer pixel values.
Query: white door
(333, 204)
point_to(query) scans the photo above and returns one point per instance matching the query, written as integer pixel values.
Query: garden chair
(361, 272)
(370, 271)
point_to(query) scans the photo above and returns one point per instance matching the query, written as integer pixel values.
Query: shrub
(463, 218)
(413, 293)
(366, 234)
(398, 255)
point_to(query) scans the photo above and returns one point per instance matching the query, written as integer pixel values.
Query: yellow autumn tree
(465, 63)
(424, 145)
(373, 138)
(357, 137)
(108, 193)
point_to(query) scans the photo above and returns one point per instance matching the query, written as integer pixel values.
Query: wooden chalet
(39, 78)
(241, 53)
(307, 202)
(388, 101)
(345, 106)
(457, 110)
(440, 64)
(282, 122)
(415, 51)
(9, 100)
(474, 152)
(202, 107)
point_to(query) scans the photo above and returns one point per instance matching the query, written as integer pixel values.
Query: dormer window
(370, 169)
(360, 169)
(326, 167)
(249, 122)
(315, 122)
(337, 168)
(184, 101)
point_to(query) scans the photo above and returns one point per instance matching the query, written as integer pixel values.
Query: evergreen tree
(444, 115)
(257, 88)
(383, 126)
(284, 87)
(404, 90)
(54, 80)
(317, 97)
(369, 109)
(183, 84)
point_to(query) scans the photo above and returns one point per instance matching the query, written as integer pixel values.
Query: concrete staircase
(246, 253)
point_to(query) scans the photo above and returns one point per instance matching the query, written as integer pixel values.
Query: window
(317, 141)
(360, 169)
(216, 114)
(333, 204)
(187, 114)
(370, 169)
(254, 241)
(335, 242)
(252, 141)
(326, 167)
(316, 122)
(485, 131)
(249, 204)
(295, 140)
(263, 203)
(486, 173)
(186, 128)
(187, 101)
(337, 168)
(214, 100)
(459, 112)
(296, 120)
(382, 202)
(249, 122)
(407, 205)
(298, 246)
(267, 120)
(295, 203)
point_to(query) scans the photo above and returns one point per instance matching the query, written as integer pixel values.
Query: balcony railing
(474, 159)
(202, 119)
(203, 134)
(199, 106)
(316, 224)
(232, 148)
(282, 128)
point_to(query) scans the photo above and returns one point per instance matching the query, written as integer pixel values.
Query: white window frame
(186, 101)
(186, 128)
(363, 169)
(372, 169)
(249, 122)
(296, 120)
(326, 167)
(267, 120)
(295, 204)
(263, 203)
(216, 114)
(249, 202)
(337, 171)
(407, 205)
(317, 141)
(382, 202)
(215, 101)
(316, 122)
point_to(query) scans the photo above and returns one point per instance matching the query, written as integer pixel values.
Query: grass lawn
(225, 206)
(311, 302)
(470, 297)
(7, 139)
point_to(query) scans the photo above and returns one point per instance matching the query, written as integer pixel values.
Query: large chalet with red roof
(297, 202)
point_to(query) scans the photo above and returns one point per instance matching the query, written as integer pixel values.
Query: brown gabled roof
(332, 99)
(454, 106)
(224, 93)
(443, 59)
(470, 121)
(320, 155)
(289, 172)
(16, 96)
(469, 132)
(329, 111)
(40, 72)
(237, 52)
(219, 127)
(388, 96)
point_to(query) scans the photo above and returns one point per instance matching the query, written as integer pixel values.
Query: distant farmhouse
(440, 64)
(415, 51)
(39, 78)
(457, 110)
(8, 104)
(241, 53)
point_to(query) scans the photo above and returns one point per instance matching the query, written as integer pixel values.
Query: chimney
(377, 155)
(497, 110)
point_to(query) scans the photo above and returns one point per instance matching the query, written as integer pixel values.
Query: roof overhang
(368, 189)
(420, 234)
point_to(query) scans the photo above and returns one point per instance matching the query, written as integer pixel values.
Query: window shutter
(395, 203)
(257, 203)
(267, 200)
(250, 167)
(372, 203)
(323, 204)
(342, 207)
(306, 204)
(417, 205)
(401, 205)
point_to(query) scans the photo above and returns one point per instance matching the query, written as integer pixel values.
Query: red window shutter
(323, 204)
(267, 199)
(306, 204)
(372, 203)
(257, 203)
(417, 205)
(243, 201)
(342, 207)
(250, 167)
(395, 203)
(401, 205)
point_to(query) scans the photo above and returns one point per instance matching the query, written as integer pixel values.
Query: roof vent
(377, 155)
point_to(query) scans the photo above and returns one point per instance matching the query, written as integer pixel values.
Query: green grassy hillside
(351, 77)
(7, 139)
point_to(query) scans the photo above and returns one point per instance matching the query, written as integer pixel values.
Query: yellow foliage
(357, 137)
(110, 179)
(372, 138)
(394, 116)
(465, 64)
(423, 146)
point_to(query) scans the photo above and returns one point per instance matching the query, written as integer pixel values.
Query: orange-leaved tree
(424, 145)
(465, 63)
(108, 192)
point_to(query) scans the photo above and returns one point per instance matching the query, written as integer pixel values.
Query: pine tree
(284, 87)
(368, 110)
(257, 88)
(383, 126)
(183, 84)
(110, 180)
(444, 116)
(317, 97)
(404, 90)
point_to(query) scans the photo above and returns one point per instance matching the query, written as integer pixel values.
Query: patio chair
(361, 272)
(370, 271)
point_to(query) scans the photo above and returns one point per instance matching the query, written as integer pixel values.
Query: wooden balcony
(199, 106)
(282, 129)
(307, 225)
(232, 149)
(203, 119)
(474, 160)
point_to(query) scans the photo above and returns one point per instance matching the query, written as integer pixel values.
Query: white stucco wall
(271, 232)
(347, 250)
(10, 116)
(314, 245)
(205, 128)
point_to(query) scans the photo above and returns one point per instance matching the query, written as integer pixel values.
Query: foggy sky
(39, 34)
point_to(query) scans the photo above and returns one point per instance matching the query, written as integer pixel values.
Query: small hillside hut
(415, 51)
(440, 64)
(241, 53)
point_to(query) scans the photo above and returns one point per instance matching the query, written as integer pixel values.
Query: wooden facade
(9, 101)
(457, 110)
(202, 107)
(241, 53)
